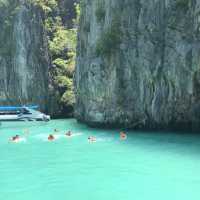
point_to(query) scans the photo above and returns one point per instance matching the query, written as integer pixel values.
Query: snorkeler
(123, 136)
(51, 137)
(56, 130)
(69, 133)
(91, 139)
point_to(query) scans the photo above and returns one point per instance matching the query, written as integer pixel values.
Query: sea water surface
(147, 166)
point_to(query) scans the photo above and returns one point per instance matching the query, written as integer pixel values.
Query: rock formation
(138, 63)
(24, 60)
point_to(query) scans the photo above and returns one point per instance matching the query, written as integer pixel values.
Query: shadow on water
(183, 143)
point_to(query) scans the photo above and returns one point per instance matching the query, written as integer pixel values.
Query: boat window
(27, 112)
(8, 113)
(15, 112)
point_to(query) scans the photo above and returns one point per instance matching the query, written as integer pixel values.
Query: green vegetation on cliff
(55, 23)
(61, 29)
(62, 47)
(110, 39)
(100, 11)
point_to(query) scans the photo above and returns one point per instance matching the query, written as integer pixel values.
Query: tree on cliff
(61, 27)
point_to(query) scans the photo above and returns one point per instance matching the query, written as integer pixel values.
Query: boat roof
(14, 108)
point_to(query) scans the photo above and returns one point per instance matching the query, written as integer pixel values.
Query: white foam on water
(103, 139)
(42, 137)
(20, 140)
(76, 134)
(60, 136)
(57, 136)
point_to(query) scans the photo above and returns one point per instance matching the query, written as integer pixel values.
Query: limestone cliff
(138, 63)
(24, 59)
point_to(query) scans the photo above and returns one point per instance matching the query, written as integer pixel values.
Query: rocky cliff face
(23, 59)
(138, 63)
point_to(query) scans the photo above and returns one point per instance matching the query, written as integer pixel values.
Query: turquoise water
(147, 166)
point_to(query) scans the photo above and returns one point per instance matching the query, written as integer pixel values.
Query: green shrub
(62, 48)
(182, 3)
(46, 6)
(100, 13)
(60, 63)
(63, 81)
(68, 98)
(109, 40)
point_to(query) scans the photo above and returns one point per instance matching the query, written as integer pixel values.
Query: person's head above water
(68, 133)
(16, 137)
(123, 135)
(91, 138)
(50, 137)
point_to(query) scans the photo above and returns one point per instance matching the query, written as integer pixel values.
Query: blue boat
(14, 108)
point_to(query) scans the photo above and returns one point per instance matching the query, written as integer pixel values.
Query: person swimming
(15, 138)
(92, 139)
(69, 133)
(51, 137)
(123, 136)
(56, 130)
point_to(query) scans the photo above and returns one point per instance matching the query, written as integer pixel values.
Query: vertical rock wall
(24, 60)
(138, 63)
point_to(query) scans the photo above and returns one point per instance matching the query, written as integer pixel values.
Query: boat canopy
(15, 108)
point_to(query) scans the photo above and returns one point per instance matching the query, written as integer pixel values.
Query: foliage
(46, 6)
(59, 42)
(64, 82)
(62, 47)
(61, 31)
(100, 11)
(110, 39)
(68, 98)
(78, 13)
(182, 3)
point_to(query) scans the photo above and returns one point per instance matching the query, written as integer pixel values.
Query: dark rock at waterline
(138, 64)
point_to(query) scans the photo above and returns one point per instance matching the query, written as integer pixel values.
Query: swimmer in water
(91, 139)
(69, 133)
(15, 138)
(123, 136)
(56, 130)
(51, 137)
